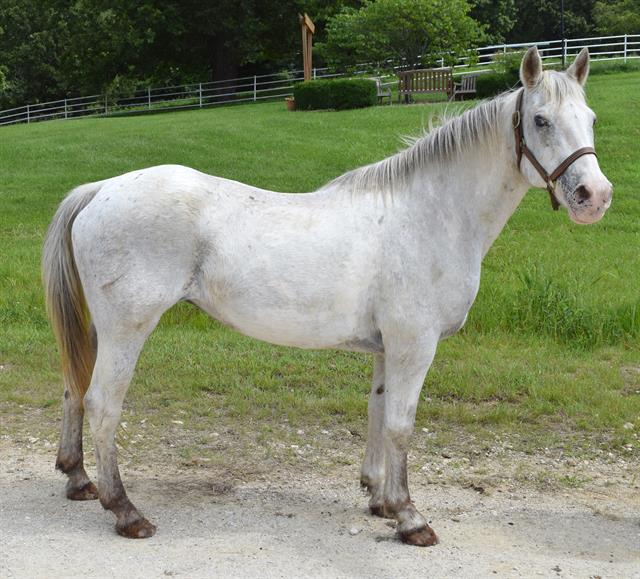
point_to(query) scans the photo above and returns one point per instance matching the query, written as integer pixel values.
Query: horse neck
(480, 188)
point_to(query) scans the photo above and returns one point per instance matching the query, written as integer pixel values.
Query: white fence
(280, 85)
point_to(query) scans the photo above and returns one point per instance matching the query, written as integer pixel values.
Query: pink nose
(597, 195)
(583, 194)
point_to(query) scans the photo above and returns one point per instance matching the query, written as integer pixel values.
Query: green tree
(53, 48)
(411, 31)
(540, 20)
(617, 17)
(497, 16)
(29, 50)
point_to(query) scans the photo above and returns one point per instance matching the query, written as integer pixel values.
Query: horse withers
(384, 259)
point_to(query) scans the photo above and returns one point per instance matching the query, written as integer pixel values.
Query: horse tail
(64, 296)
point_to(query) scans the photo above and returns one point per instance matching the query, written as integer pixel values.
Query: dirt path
(309, 526)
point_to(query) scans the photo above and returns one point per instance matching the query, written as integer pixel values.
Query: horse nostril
(582, 194)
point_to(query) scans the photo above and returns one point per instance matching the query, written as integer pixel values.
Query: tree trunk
(223, 68)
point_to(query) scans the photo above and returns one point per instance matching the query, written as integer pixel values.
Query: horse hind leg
(117, 355)
(70, 459)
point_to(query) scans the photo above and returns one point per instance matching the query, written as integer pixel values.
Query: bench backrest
(468, 84)
(426, 80)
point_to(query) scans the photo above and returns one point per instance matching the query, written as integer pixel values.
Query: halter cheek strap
(523, 150)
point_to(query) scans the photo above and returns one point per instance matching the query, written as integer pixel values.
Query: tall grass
(554, 308)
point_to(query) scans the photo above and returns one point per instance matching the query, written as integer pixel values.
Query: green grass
(551, 348)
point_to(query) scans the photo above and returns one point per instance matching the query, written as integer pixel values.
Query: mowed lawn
(550, 352)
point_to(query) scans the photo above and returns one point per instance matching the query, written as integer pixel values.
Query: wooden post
(308, 28)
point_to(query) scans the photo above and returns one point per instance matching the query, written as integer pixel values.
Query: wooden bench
(466, 86)
(424, 81)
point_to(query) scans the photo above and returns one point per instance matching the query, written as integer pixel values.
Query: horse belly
(305, 320)
(308, 299)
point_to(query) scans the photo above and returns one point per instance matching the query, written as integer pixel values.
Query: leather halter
(522, 149)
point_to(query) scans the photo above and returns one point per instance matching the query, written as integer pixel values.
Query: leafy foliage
(617, 16)
(339, 94)
(541, 20)
(406, 31)
(50, 49)
(497, 16)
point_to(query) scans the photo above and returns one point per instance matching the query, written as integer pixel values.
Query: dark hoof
(424, 537)
(140, 529)
(88, 492)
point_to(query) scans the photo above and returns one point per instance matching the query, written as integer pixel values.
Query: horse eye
(541, 121)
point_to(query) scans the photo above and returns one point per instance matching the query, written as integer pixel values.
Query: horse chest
(444, 292)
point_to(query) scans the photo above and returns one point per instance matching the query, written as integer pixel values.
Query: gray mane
(440, 144)
(448, 141)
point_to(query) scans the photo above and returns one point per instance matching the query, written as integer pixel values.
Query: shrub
(313, 94)
(338, 94)
(506, 74)
(493, 83)
(353, 93)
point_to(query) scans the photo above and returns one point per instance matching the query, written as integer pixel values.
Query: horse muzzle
(588, 202)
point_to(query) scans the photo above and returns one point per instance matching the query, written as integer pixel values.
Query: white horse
(384, 259)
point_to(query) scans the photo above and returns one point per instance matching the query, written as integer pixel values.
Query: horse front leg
(406, 366)
(372, 473)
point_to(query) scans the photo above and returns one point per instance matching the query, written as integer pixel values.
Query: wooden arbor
(308, 28)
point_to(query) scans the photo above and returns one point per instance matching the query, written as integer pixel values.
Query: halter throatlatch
(522, 149)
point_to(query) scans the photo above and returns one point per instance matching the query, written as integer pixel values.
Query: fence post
(314, 72)
(28, 115)
(564, 52)
(625, 48)
(106, 105)
(255, 87)
(65, 108)
(149, 97)
(200, 94)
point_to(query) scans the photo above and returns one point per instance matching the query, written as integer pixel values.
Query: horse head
(554, 138)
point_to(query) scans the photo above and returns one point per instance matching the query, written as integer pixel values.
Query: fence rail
(277, 86)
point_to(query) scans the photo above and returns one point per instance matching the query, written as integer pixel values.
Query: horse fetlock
(68, 464)
(116, 502)
(377, 509)
(371, 484)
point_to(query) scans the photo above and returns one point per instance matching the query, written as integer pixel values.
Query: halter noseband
(522, 149)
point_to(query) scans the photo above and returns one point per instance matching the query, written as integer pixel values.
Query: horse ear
(531, 68)
(580, 67)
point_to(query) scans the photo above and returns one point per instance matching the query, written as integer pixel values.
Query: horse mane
(454, 137)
